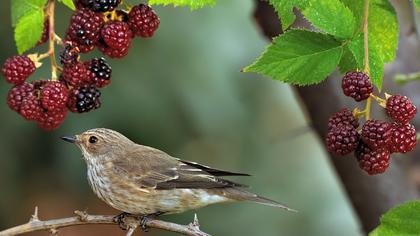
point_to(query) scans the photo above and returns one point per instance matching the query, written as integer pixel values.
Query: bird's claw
(119, 219)
(145, 218)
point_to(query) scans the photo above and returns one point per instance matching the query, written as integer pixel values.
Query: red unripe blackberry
(376, 134)
(54, 96)
(84, 29)
(30, 108)
(400, 108)
(342, 140)
(100, 70)
(17, 69)
(143, 20)
(357, 85)
(403, 138)
(84, 99)
(52, 119)
(113, 52)
(116, 34)
(372, 161)
(75, 74)
(70, 54)
(101, 5)
(343, 117)
(45, 33)
(16, 95)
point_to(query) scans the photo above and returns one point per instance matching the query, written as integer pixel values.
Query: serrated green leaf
(299, 57)
(20, 8)
(376, 62)
(347, 62)
(332, 17)
(28, 30)
(284, 10)
(69, 4)
(402, 220)
(356, 7)
(193, 4)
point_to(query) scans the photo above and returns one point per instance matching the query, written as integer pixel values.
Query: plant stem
(366, 36)
(51, 47)
(405, 78)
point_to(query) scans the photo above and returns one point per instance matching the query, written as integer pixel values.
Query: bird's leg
(145, 218)
(119, 219)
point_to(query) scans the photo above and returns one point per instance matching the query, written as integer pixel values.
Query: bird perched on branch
(142, 180)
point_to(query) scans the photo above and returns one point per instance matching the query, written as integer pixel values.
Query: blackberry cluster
(374, 143)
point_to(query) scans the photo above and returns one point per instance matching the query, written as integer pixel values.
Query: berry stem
(366, 36)
(381, 102)
(52, 37)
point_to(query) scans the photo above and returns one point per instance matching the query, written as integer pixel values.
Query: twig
(83, 218)
(366, 49)
(405, 78)
(52, 38)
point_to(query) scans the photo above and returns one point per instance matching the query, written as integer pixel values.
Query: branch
(130, 223)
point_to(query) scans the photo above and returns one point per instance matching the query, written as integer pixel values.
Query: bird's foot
(145, 218)
(119, 219)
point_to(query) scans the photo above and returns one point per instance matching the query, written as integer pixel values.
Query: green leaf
(402, 220)
(22, 7)
(28, 30)
(299, 57)
(347, 62)
(332, 17)
(382, 24)
(193, 4)
(69, 4)
(284, 10)
(417, 4)
(376, 62)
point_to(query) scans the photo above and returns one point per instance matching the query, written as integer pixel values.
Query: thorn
(195, 222)
(54, 232)
(82, 215)
(131, 231)
(34, 216)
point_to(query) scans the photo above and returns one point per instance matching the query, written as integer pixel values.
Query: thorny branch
(131, 223)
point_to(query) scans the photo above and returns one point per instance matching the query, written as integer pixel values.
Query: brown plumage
(142, 180)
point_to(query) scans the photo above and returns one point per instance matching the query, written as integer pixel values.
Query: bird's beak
(70, 139)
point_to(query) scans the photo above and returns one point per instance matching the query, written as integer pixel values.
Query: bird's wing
(213, 171)
(152, 168)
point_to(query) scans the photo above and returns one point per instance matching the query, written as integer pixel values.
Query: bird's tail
(242, 195)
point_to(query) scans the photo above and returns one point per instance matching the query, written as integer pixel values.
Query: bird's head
(96, 143)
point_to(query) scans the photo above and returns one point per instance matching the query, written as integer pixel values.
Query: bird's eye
(93, 139)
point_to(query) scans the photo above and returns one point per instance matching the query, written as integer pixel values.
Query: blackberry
(84, 99)
(17, 69)
(343, 117)
(54, 96)
(342, 140)
(50, 120)
(403, 138)
(31, 107)
(376, 134)
(45, 33)
(357, 85)
(100, 71)
(17, 94)
(70, 54)
(84, 29)
(372, 161)
(116, 34)
(143, 20)
(75, 74)
(112, 52)
(400, 108)
(101, 5)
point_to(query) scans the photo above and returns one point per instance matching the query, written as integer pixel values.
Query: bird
(145, 181)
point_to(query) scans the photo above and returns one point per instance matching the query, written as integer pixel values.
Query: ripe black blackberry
(343, 117)
(113, 52)
(75, 74)
(100, 72)
(54, 96)
(30, 108)
(50, 120)
(70, 54)
(17, 69)
(84, 99)
(376, 134)
(403, 138)
(101, 5)
(17, 94)
(143, 20)
(400, 108)
(342, 140)
(116, 34)
(357, 85)
(84, 29)
(372, 161)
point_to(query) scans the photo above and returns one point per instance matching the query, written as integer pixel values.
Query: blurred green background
(182, 92)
